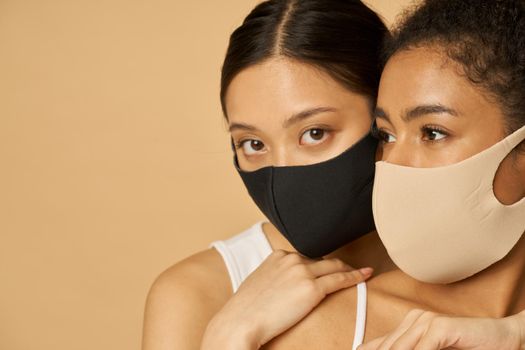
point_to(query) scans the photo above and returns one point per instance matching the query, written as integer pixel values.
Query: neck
(367, 251)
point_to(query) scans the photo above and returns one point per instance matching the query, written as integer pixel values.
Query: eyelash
(378, 133)
(426, 130)
(239, 144)
(325, 129)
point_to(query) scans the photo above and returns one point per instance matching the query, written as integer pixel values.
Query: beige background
(114, 160)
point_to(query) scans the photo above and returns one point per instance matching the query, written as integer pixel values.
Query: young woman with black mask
(275, 140)
(296, 90)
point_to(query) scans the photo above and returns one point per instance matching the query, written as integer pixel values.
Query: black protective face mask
(320, 207)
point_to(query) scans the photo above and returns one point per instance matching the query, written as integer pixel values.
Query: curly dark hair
(485, 37)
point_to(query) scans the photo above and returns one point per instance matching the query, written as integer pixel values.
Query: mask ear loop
(493, 156)
(500, 151)
(512, 141)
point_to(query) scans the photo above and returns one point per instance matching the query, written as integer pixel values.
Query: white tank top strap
(243, 253)
(360, 318)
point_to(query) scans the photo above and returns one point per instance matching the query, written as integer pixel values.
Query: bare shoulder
(330, 326)
(194, 275)
(183, 299)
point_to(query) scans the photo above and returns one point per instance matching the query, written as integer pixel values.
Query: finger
(439, 335)
(276, 256)
(327, 266)
(407, 322)
(288, 259)
(372, 345)
(278, 253)
(411, 337)
(336, 281)
(432, 333)
(430, 342)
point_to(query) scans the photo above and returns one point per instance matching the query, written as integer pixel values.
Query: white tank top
(243, 253)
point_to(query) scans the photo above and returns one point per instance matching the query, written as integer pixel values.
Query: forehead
(281, 87)
(424, 76)
(427, 76)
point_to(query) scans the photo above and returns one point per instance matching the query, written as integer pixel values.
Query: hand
(284, 289)
(423, 330)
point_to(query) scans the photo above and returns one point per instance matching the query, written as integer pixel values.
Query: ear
(509, 183)
(519, 165)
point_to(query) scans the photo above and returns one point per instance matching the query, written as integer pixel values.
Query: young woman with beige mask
(338, 118)
(448, 198)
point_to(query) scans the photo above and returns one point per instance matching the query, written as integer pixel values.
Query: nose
(280, 156)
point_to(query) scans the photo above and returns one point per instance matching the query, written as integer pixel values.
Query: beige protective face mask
(441, 225)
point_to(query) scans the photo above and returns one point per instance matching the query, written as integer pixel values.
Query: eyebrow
(379, 113)
(241, 126)
(417, 112)
(308, 113)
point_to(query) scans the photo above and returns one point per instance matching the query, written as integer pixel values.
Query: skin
(430, 140)
(301, 116)
(264, 105)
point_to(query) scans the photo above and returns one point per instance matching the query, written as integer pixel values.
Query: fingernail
(366, 271)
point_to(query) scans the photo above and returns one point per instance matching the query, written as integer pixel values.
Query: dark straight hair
(341, 37)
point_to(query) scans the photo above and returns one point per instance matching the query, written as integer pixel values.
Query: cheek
(417, 154)
(446, 155)
(379, 152)
(246, 165)
(241, 162)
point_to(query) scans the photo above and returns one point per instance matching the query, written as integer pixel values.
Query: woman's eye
(383, 136)
(433, 134)
(312, 136)
(251, 147)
